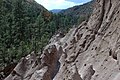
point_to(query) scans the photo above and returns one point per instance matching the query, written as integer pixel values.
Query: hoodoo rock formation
(89, 52)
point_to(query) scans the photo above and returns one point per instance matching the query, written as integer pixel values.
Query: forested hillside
(79, 13)
(26, 26)
(20, 23)
(88, 51)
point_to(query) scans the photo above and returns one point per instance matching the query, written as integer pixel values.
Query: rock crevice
(90, 51)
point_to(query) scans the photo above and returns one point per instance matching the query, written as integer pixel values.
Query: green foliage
(79, 13)
(27, 27)
(18, 34)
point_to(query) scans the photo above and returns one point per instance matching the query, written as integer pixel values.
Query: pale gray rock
(90, 51)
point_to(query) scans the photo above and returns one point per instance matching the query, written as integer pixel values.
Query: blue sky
(60, 4)
(79, 1)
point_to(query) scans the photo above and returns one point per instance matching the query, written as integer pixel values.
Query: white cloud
(56, 4)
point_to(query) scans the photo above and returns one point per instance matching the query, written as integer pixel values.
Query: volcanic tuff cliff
(89, 52)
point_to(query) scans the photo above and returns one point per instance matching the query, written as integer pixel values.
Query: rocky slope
(89, 52)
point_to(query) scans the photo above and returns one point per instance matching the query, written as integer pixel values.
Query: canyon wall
(90, 51)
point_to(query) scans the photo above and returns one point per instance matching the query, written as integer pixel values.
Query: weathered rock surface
(89, 52)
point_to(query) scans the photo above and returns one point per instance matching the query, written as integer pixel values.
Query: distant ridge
(56, 10)
(79, 13)
(78, 10)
